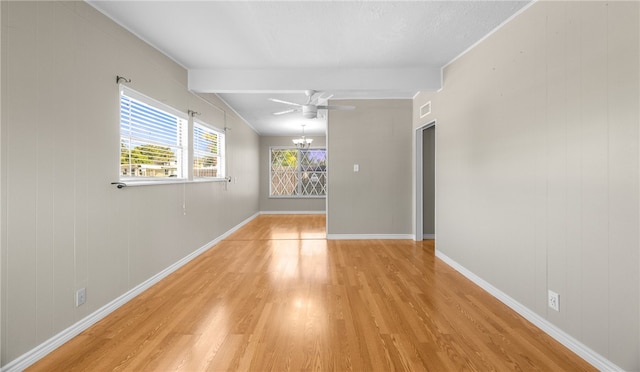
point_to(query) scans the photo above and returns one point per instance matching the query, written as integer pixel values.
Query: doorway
(425, 182)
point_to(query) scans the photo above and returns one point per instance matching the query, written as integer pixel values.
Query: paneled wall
(63, 225)
(375, 200)
(538, 167)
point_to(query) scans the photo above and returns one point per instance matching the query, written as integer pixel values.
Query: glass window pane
(150, 141)
(298, 173)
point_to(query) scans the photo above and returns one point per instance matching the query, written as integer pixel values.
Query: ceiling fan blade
(336, 107)
(285, 102)
(286, 112)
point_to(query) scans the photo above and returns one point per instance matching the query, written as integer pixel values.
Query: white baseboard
(369, 236)
(40, 351)
(429, 236)
(586, 353)
(293, 212)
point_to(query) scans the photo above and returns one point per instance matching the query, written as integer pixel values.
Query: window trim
(184, 145)
(222, 152)
(187, 145)
(271, 148)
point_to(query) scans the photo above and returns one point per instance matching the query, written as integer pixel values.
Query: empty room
(319, 185)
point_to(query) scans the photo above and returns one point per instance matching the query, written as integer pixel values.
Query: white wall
(63, 226)
(538, 167)
(377, 199)
(295, 205)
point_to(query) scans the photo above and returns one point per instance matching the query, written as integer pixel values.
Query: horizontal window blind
(208, 152)
(152, 140)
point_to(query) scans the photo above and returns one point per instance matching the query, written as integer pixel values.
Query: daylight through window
(298, 173)
(153, 143)
(151, 139)
(208, 152)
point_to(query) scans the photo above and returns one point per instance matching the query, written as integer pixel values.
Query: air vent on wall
(425, 109)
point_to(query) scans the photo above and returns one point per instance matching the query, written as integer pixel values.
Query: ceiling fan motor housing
(310, 111)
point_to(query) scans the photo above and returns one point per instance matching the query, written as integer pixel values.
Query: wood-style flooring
(277, 296)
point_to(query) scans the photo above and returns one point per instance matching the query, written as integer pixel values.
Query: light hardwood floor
(277, 296)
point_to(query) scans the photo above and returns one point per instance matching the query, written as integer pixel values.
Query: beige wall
(377, 199)
(538, 168)
(63, 225)
(296, 205)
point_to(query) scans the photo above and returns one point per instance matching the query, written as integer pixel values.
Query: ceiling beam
(324, 79)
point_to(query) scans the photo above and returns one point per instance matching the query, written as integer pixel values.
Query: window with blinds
(152, 139)
(208, 152)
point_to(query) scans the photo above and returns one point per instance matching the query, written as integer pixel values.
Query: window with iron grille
(298, 173)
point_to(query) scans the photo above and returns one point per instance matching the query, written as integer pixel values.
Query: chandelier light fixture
(302, 143)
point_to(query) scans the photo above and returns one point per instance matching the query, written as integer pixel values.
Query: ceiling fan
(310, 109)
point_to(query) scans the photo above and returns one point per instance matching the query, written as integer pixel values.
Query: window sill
(135, 183)
(298, 197)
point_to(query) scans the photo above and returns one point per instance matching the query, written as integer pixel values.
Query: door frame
(419, 180)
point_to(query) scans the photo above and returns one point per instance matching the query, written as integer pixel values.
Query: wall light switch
(356, 167)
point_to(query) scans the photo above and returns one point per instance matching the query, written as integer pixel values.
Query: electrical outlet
(81, 296)
(554, 300)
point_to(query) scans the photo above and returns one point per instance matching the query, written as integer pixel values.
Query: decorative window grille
(208, 152)
(298, 173)
(152, 139)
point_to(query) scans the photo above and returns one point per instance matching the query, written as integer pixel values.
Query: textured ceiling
(322, 41)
